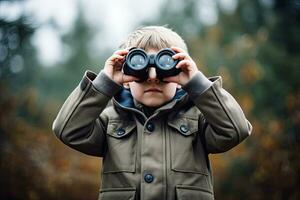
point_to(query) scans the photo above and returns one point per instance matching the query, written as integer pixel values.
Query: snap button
(184, 129)
(150, 127)
(148, 178)
(120, 131)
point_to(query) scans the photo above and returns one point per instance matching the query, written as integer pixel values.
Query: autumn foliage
(256, 51)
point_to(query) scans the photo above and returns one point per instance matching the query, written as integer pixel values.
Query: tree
(256, 50)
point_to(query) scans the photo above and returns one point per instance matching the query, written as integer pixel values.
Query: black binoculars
(138, 62)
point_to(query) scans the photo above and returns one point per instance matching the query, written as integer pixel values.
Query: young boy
(155, 134)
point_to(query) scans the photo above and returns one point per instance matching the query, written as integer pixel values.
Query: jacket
(163, 156)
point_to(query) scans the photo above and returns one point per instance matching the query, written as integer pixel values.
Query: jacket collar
(125, 99)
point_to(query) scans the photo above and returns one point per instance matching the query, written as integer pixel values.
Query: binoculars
(138, 62)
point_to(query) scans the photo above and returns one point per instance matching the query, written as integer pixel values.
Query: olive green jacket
(160, 157)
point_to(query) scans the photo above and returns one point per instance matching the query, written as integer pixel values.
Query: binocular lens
(166, 61)
(138, 61)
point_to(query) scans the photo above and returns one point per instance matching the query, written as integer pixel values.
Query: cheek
(170, 90)
(135, 90)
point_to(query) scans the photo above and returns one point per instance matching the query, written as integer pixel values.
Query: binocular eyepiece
(137, 63)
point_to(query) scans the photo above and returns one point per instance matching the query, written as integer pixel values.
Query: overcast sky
(115, 18)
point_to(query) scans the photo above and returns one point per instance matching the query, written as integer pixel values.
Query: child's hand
(186, 64)
(113, 67)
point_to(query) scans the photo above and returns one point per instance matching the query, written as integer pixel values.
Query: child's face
(152, 92)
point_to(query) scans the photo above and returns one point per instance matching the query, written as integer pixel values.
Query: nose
(152, 76)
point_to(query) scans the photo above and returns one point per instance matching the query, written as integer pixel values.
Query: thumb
(127, 78)
(174, 79)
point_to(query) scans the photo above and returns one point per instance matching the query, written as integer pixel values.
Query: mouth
(153, 90)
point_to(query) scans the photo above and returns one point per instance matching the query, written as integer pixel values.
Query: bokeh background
(46, 45)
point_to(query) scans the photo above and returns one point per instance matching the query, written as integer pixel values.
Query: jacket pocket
(121, 147)
(184, 192)
(187, 152)
(117, 193)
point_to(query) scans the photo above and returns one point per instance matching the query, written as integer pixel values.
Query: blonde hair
(153, 37)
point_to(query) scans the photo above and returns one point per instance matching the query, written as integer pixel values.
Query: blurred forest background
(254, 47)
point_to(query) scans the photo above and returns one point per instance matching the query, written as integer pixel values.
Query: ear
(126, 85)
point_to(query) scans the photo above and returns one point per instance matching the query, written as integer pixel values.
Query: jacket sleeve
(223, 122)
(79, 123)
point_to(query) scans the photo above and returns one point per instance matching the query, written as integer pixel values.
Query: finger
(115, 61)
(178, 50)
(121, 52)
(173, 79)
(128, 78)
(119, 62)
(180, 56)
(183, 65)
(119, 59)
(116, 57)
(118, 65)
